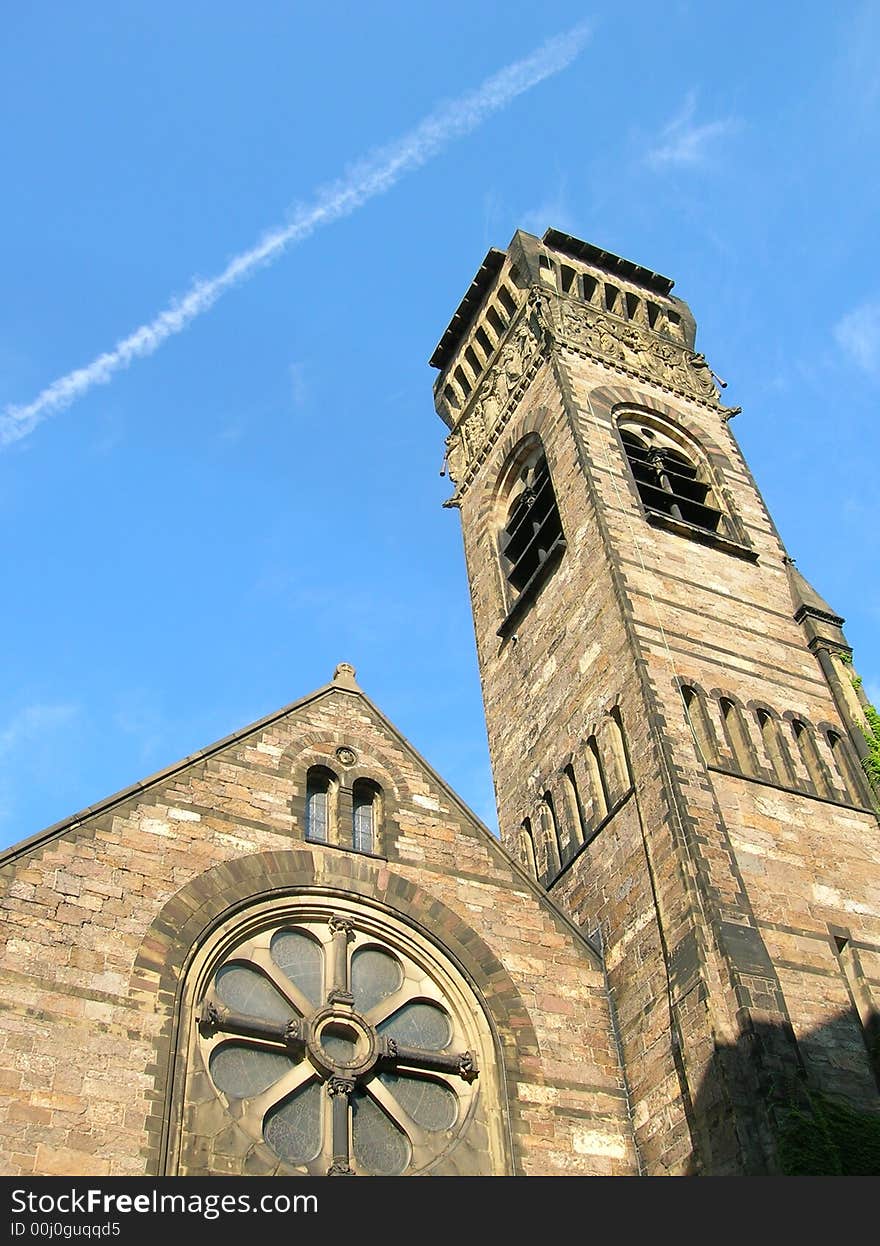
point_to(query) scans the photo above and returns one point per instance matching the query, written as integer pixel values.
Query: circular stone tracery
(338, 1050)
(340, 1043)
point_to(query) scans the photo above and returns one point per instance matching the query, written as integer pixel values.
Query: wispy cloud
(856, 72)
(375, 175)
(858, 335)
(684, 142)
(32, 723)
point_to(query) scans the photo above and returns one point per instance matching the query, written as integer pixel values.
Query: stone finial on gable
(345, 675)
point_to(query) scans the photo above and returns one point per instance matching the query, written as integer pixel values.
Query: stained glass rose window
(336, 1047)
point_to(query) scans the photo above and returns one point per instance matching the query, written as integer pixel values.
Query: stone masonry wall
(89, 989)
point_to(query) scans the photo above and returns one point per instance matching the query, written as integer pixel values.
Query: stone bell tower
(674, 725)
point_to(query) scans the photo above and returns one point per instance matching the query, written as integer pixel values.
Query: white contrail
(372, 176)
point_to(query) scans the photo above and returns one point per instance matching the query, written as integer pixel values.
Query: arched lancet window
(338, 1041)
(550, 829)
(737, 737)
(573, 803)
(775, 749)
(527, 856)
(699, 723)
(813, 763)
(618, 752)
(598, 785)
(321, 788)
(850, 776)
(547, 842)
(365, 801)
(532, 530)
(669, 480)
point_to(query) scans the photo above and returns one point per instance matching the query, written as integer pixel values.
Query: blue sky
(200, 537)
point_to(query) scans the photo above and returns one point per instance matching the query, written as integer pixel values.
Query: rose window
(337, 1050)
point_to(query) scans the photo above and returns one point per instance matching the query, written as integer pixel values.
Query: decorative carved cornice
(637, 351)
(545, 320)
(491, 404)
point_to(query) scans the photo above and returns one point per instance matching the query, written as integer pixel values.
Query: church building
(298, 952)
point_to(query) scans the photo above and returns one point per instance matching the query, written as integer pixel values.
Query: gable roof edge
(57, 829)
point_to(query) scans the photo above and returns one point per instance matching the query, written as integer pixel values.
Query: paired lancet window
(346, 819)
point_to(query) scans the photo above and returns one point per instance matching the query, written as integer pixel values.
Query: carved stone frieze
(492, 398)
(637, 350)
(627, 347)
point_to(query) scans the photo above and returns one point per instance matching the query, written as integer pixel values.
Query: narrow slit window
(473, 362)
(483, 341)
(590, 286)
(568, 276)
(612, 294)
(452, 398)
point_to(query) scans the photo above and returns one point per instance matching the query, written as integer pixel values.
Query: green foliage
(871, 763)
(829, 1139)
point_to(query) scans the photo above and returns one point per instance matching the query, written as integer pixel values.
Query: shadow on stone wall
(774, 1105)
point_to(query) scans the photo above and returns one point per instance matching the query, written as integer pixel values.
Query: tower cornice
(551, 320)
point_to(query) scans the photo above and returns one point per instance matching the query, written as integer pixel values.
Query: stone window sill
(681, 527)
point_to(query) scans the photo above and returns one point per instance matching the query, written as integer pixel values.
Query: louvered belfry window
(668, 482)
(533, 530)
